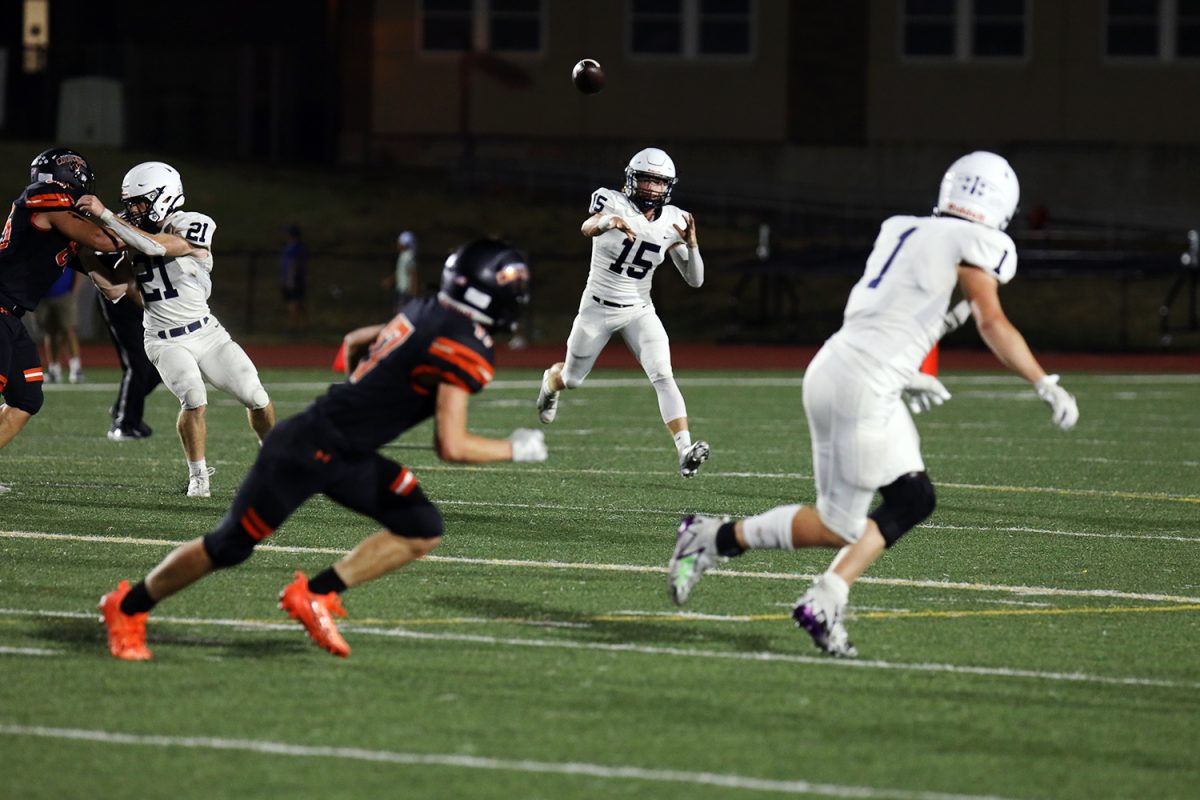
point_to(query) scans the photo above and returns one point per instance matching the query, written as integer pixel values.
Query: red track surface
(687, 356)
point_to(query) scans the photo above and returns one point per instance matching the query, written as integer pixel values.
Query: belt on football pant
(611, 304)
(183, 329)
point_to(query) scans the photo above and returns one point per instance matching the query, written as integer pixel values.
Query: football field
(1037, 637)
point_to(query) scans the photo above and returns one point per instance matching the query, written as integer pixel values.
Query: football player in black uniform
(40, 238)
(425, 363)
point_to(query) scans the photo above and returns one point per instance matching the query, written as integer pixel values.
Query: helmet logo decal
(477, 298)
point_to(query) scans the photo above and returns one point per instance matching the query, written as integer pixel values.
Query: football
(588, 76)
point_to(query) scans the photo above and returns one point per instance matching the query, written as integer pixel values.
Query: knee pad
(194, 398)
(670, 399)
(229, 545)
(259, 399)
(907, 501)
(29, 399)
(659, 372)
(422, 521)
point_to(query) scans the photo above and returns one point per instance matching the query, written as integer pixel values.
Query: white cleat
(547, 402)
(818, 613)
(695, 553)
(198, 484)
(691, 459)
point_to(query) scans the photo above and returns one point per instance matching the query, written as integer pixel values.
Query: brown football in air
(588, 76)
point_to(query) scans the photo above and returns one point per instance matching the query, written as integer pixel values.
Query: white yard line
(632, 648)
(621, 772)
(1024, 591)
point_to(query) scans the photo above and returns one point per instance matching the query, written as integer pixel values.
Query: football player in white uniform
(863, 439)
(632, 233)
(172, 262)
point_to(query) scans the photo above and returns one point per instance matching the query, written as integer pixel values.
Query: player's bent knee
(193, 399)
(229, 545)
(660, 372)
(907, 502)
(420, 523)
(259, 399)
(31, 403)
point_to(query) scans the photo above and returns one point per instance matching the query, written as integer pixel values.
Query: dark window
(929, 28)
(515, 25)
(724, 27)
(999, 29)
(1187, 35)
(446, 25)
(1133, 28)
(657, 26)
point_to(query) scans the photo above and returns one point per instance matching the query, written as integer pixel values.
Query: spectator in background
(404, 280)
(58, 317)
(293, 277)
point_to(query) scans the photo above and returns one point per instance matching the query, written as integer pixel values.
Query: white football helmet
(656, 163)
(980, 187)
(155, 187)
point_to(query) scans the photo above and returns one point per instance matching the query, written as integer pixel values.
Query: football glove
(1063, 410)
(924, 392)
(528, 445)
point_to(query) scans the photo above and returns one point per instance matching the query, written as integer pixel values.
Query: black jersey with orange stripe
(32, 259)
(395, 386)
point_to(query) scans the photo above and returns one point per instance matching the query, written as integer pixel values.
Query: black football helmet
(62, 166)
(488, 280)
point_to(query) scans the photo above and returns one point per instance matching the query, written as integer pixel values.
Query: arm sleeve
(690, 264)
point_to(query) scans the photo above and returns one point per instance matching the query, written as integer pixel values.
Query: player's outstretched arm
(600, 222)
(689, 262)
(1008, 345)
(131, 236)
(455, 443)
(84, 231)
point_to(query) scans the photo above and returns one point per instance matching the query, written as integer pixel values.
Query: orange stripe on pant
(405, 482)
(254, 525)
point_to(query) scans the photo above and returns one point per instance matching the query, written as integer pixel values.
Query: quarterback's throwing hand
(688, 231)
(924, 392)
(1064, 412)
(528, 445)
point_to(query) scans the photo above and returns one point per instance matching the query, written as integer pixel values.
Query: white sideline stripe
(28, 651)
(758, 657)
(570, 768)
(1049, 591)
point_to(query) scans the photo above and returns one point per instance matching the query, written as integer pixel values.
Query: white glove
(528, 445)
(953, 319)
(1063, 411)
(924, 392)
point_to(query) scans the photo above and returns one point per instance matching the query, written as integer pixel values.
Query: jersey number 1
(875, 281)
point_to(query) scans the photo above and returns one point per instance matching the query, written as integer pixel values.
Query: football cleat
(818, 613)
(691, 459)
(695, 552)
(116, 434)
(198, 484)
(315, 612)
(547, 402)
(126, 632)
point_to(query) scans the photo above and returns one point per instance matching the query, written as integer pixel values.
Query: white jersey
(176, 290)
(622, 268)
(894, 314)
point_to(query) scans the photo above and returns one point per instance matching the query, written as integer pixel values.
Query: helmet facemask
(644, 199)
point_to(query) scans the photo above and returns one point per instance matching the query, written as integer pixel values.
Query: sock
(683, 440)
(727, 543)
(74, 365)
(771, 530)
(198, 467)
(54, 371)
(328, 581)
(837, 586)
(138, 601)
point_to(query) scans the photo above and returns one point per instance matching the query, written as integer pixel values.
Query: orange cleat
(126, 632)
(315, 612)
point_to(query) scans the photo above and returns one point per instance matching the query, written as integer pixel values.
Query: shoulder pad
(193, 226)
(991, 250)
(48, 197)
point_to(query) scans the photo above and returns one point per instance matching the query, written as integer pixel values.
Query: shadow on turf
(84, 636)
(613, 632)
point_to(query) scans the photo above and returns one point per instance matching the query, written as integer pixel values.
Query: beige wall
(418, 94)
(1065, 91)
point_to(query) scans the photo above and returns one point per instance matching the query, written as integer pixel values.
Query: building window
(964, 30)
(690, 28)
(1152, 30)
(501, 26)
